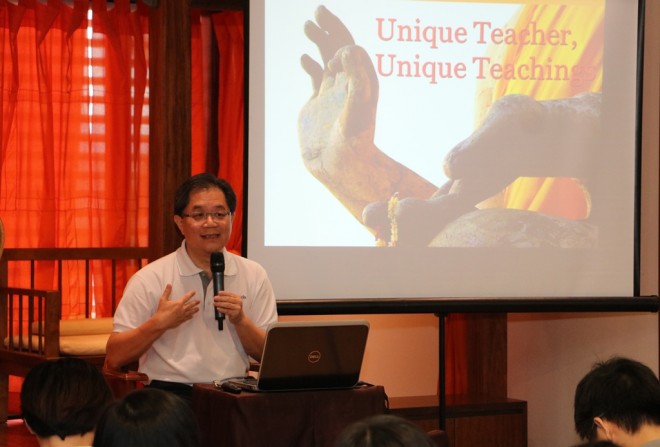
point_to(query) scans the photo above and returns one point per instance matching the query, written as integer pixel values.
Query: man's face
(203, 232)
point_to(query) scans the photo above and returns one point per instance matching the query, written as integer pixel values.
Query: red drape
(227, 27)
(73, 147)
(200, 90)
(229, 31)
(73, 138)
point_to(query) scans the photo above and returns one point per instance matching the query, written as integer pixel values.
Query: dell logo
(314, 357)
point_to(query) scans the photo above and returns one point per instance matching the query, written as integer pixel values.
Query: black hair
(64, 397)
(384, 430)
(620, 390)
(148, 416)
(202, 181)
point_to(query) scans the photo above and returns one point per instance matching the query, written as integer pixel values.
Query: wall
(549, 354)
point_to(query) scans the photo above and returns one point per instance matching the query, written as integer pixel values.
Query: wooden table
(287, 419)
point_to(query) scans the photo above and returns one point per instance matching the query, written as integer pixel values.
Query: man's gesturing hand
(172, 313)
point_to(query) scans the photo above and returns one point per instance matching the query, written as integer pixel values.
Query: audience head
(620, 392)
(148, 417)
(203, 181)
(384, 430)
(64, 397)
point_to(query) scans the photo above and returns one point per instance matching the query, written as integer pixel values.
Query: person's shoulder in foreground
(62, 401)
(618, 400)
(148, 417)
(384, 430)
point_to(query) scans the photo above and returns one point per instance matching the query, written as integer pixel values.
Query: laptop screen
(313, 355)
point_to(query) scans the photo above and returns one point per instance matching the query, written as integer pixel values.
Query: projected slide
(454, 144)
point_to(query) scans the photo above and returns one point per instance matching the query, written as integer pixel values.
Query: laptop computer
(305, 355)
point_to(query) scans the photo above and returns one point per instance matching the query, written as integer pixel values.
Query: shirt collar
(188, 268)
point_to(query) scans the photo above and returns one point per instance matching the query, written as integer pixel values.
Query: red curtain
(73, 142)
(200, 91)
(228, 28)
(218, 134)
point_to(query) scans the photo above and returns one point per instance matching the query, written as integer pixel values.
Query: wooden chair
(31, 325)
(125, 380)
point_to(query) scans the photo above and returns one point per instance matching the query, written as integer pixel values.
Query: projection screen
(421, 149)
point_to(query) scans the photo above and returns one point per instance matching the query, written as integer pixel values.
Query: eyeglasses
(201, 217)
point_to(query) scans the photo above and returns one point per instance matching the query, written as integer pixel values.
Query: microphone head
(217, 262)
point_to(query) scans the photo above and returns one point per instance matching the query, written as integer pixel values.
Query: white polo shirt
(196, 351)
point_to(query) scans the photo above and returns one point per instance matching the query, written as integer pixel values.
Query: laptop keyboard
(237, 385)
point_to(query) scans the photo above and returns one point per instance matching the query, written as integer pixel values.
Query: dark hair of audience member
(623, 391)
(148, 417)
(64, 397)
(384, 430)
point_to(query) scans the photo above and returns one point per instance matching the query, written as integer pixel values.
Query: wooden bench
(31, 326)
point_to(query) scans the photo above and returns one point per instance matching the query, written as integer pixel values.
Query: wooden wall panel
(169, 118)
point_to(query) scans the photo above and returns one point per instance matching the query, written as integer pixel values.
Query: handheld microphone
(218, 272)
